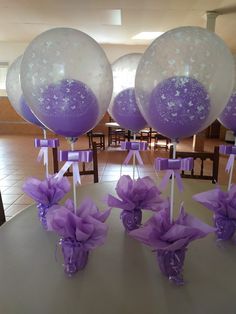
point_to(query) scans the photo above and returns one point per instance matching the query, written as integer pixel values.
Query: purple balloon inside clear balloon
(28, 114)
(68, 108)
(126, 112)
(228, 116)
(178, 107)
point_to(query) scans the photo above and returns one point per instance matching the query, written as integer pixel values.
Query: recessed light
(147, 35)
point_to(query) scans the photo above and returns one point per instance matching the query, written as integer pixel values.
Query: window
(3, 74)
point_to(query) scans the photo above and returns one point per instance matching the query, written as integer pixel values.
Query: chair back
(202, 156)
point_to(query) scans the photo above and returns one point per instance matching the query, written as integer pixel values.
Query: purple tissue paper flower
(85, 225)
(170, 240)
(135, 195)
(46, 193)
(223, 205)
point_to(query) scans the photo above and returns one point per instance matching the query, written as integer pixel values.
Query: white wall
(10, 51)
(113, 52)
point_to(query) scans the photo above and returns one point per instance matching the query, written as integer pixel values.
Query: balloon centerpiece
(66, 79)
(182, 83)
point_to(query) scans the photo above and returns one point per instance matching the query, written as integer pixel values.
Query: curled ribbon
(134, 149)
(72, 158)
(231, 151)
(173, 167)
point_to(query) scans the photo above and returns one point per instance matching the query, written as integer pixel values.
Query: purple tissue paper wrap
(135, 195)
(170, 240)
(46, 193)
(223, 205)
(81, 230)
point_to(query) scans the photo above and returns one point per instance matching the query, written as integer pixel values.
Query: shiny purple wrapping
(82, 230)
(223, 205)
(170, 240)
(131, 219)
(171, 264)
(135, 195)
(46, 193)
(74, 254)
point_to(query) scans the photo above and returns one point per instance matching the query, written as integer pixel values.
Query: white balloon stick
(134, 159)
(172, 187)
(74, 184)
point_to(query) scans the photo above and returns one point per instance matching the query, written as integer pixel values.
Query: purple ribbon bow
(231, 151)
(72, 158)
(173, 167)
(44, 144)
(134, 149)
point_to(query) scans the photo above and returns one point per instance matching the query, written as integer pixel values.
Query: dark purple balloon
(27, 114)
(68, 108)
(178, 107)
(228, 116)
(126, 112)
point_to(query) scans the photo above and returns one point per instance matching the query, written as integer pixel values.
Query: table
(122, 277)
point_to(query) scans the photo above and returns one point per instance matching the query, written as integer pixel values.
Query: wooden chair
(84, 171)
(147, 135)
(116, 135)
(2, 213)
(159, 137)
(93, 135)
(203, 156)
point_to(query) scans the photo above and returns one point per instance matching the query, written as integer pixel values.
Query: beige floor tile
(14, 177)
(24, 200)
(10, 198)
(13, 190)
(18, 183)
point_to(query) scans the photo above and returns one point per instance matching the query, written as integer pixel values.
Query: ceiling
(112, 21)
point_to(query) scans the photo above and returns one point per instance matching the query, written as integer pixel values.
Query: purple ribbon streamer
(72, 158)
(43, 153)
(173, 167)
(134, 149)
(231, 151)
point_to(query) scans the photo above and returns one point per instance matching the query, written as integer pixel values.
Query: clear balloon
(228, 116)
(15, 95)
(183, 81)
(123, 107)
(67, 80)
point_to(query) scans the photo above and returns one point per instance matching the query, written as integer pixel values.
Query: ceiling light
(147, 35)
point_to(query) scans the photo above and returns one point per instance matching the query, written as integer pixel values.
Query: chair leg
(2, 213)
(55, 159)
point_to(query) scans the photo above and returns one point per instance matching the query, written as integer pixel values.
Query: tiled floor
(18, 161)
